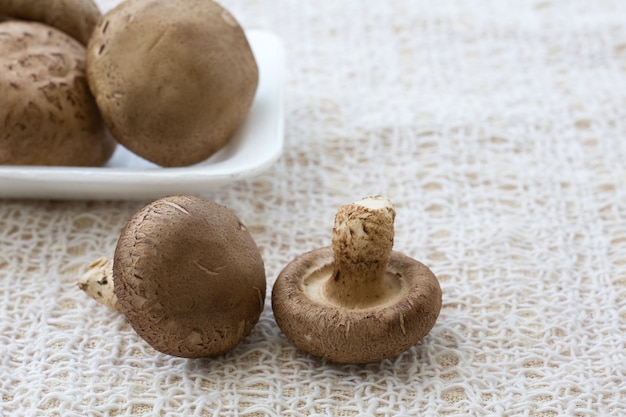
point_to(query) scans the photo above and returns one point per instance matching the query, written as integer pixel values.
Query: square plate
(255, 147)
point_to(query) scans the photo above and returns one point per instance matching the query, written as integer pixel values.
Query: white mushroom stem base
(97, 282)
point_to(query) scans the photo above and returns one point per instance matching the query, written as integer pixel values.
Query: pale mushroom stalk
(362, 244)
(97, 282)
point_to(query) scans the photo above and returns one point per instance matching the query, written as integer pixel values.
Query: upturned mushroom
(357, 301)
(187, 275)
(47, 113)
(173, 79)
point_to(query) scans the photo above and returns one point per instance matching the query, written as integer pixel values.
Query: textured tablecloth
(497, 127)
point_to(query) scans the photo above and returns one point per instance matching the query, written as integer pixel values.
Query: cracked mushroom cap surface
(174, 79)
(48, 114)
(189, 277)
(342, 334)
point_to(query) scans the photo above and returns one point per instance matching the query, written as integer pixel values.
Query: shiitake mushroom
(187, 275)
(47, 113)
(173, 79)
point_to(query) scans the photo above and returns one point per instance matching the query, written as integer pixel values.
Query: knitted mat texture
(498, 129)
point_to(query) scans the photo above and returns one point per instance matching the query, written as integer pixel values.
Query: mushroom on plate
(187, 275)
(357, 301)
(173, 79)
(47, 113)
(77, 18)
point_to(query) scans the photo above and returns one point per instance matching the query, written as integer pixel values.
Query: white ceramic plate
(255, 147)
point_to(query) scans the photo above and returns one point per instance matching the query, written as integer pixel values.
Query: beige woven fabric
(499, 130)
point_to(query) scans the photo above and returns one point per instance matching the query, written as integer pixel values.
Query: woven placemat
(498, 129)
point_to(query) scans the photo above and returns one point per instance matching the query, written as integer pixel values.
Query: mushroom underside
(351, 335)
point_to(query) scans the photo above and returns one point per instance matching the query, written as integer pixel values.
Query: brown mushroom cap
(48, 114)
(173, 79)
(77, 18)
(189, 277)
(357, 301)
(316, 325)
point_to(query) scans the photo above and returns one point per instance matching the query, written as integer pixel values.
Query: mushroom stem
(97, 282)
(362, 243)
